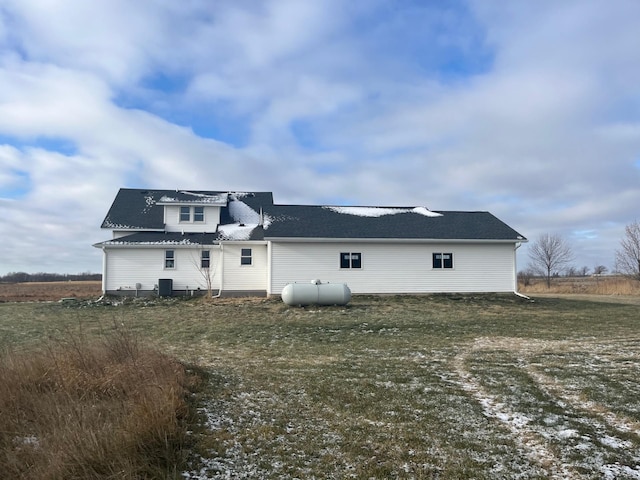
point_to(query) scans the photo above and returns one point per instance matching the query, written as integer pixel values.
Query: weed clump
(108, 408)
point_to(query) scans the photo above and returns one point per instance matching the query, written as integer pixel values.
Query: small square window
(350, 260)
(185, 214)
(205, 259)
(198, 214)
(245, 256)
(443, 260)
(169, 259)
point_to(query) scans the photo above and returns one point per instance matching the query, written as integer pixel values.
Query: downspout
(221, 262)
(269, 275)
(515, 273)
(104, 271)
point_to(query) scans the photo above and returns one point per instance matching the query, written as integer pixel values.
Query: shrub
(82, 410)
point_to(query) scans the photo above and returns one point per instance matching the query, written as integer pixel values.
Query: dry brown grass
(607, 285)
(406, 387)
(48, 291)
(104, 409)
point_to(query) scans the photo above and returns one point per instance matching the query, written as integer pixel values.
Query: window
(198, 214)
(192, 214)
(245, 256)
(169, 259)
(350, 260)
(443, 260)
(185, 214)
(205, 259)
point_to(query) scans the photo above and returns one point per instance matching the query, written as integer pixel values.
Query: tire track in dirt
(555, 389)
(534, 439)
(533, 446)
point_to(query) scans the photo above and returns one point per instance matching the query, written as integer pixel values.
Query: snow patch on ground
(550, 439)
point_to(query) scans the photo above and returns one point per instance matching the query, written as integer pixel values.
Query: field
(415, 387)
(603, 285)
(48, 291)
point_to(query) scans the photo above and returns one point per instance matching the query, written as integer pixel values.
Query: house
(180, 242)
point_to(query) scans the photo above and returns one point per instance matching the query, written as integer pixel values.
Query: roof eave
(393, 240)
(159, 245)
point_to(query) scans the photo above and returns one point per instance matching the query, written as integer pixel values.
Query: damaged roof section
(180, 197)
(253, 216)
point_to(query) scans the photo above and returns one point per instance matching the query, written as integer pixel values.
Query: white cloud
(529, 111)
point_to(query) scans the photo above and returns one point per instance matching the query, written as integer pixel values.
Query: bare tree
(549, 254)
(571, 272)
(600, 270)
(203, 263)
(525, 276)
(628, 257)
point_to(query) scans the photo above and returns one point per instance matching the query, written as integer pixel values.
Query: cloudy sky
(529, 109)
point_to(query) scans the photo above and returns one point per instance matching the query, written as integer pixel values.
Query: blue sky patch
(53, 144)
(19, 188)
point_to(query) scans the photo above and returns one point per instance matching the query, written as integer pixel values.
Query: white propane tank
(316, 293)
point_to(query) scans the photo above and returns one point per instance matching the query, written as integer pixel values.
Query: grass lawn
(441, 386)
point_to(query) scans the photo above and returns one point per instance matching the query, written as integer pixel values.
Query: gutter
(390, 240)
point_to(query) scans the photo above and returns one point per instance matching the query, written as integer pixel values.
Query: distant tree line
(21, 277)
(551, 255)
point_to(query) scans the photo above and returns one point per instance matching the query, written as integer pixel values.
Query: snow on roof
(185, 241)
(119, 226)
(382, 211)
(236, 231)
(244, 214)
(215, 199)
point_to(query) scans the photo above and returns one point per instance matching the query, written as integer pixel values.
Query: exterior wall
(396, 268)
(386, 267)
(239, 277)
(124, 267)
(173, 223)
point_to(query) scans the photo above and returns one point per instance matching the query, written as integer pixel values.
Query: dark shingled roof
(162, 238)
(294, 221)
(136, 209)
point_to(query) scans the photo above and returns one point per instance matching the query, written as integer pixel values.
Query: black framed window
(205, 259)
(169, 259)
(350, 260)
(198, 214)
(185, 214)
(442, 260)
(245, 256)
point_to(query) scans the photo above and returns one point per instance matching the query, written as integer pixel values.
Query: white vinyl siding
(174, 224)
(245, 277)
(125, 267)
(396, 268)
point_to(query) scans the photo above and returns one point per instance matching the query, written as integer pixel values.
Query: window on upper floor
(350, 260)
(169, 259)
(191, 214)
(198, 214)
(185, 214)
(245, 256)
(443, 260)
(205, 259)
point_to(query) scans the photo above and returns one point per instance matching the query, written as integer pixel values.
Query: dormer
(192, 211)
